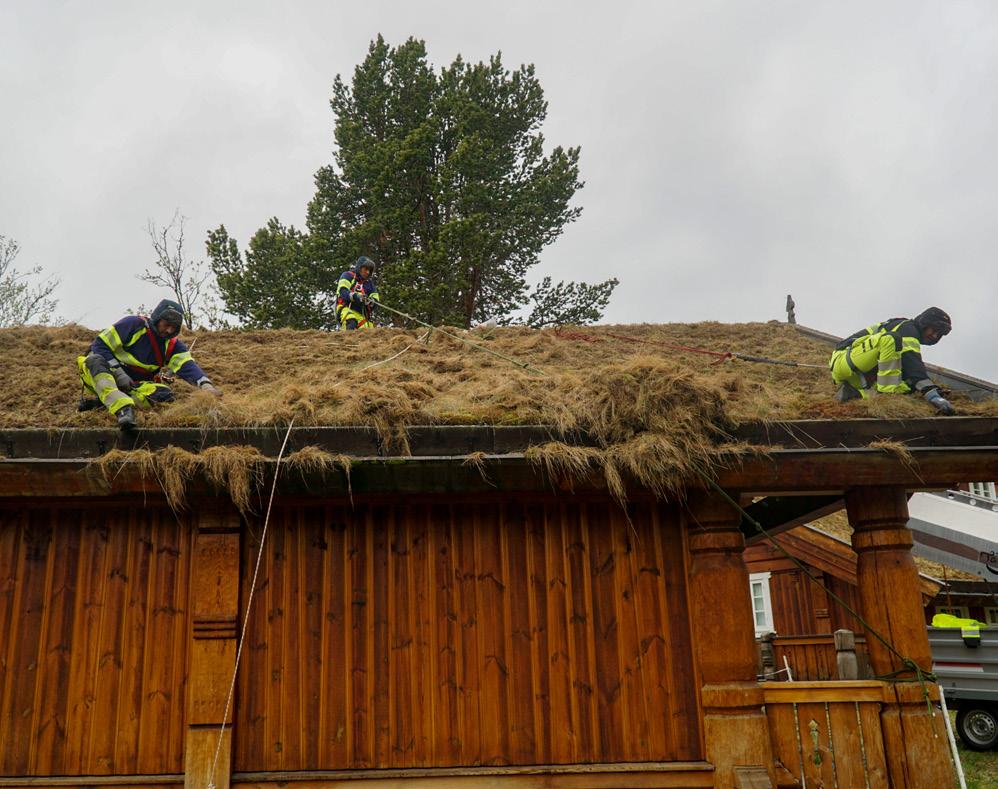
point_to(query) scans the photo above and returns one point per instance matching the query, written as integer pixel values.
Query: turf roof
(324, 378)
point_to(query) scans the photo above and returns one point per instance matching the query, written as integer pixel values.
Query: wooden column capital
(876, 507)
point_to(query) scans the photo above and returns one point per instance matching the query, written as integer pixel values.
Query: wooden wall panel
(93, 640)
(421, 633)
(801, 608)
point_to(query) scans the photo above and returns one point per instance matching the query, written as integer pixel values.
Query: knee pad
(96, 364)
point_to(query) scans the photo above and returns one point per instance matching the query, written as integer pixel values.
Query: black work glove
(358, 298)
(121, 378)
(942, 405)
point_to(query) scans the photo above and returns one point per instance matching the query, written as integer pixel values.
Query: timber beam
(451, 440)
(778, 514)
(799, 471)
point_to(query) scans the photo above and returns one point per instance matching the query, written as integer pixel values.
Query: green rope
(909, 665)
(466, 341)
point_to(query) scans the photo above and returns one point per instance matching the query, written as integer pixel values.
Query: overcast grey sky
(733, 152)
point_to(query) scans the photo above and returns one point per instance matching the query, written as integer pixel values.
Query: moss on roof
(651, 412)
(326, 378)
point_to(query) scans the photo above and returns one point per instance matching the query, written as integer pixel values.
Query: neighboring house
(960, 527)
(801, 614)
(955, 535)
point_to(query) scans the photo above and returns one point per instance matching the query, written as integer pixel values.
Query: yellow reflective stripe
(910, 344)
(178, 360)
(113, 341)
(888, 380)
(344, 283)
(375, 296)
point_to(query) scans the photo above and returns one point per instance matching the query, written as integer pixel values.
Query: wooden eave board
(779, 472)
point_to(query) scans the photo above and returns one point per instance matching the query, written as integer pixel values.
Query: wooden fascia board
(779, 472)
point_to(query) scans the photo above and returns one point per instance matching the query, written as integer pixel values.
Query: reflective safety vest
(349, 284)
(970, 629)
(142, 353)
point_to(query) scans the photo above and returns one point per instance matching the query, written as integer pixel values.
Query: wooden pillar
(736, 733)
(215, 603)
(890, 601)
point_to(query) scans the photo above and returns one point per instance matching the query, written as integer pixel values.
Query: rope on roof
(721, 356)
(465, 340)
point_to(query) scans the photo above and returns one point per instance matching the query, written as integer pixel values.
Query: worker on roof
(125, 362)
(887, 358)
(357, 295)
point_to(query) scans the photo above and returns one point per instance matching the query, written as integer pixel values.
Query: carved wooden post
(215, 602)
(736, 732)
(891, 602)
(845, 654)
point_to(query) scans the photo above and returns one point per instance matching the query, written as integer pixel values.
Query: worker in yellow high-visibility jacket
(123, 367)
(887, 358)
(357, 295)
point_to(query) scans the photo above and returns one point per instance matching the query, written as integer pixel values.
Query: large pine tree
(442, 178)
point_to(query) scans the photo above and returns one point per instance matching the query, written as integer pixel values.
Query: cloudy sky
(733, 152)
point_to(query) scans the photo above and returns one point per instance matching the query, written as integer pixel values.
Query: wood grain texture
(427, 633)
(830, 743)
(813, 658)
(93, 628)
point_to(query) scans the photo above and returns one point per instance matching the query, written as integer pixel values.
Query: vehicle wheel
(978, 728)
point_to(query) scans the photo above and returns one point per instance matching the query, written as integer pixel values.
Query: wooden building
(798, 617)
(430, 621)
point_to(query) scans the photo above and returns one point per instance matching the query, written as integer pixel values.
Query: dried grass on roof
(234, 469)
(657, 415)
(270, 377)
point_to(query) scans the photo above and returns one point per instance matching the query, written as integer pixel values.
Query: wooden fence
(829, 733)
(813, 658)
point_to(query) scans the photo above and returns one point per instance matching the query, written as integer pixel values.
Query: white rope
(396, 356)
(249, 605)
(952, 740)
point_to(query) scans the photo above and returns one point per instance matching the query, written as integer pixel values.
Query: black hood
(935, 318)
(169, 310)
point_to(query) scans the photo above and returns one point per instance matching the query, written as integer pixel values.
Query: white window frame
(961, 611)
(984, 490)
(762, 579)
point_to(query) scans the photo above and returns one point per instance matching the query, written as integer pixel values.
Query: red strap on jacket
(155, 347)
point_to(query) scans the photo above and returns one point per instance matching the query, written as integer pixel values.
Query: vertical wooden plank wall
(445, 633)
(93, 631)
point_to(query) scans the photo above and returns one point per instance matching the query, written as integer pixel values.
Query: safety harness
(341, 303)
(160, 358)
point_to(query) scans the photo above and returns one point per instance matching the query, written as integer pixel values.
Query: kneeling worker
(125, 360)
(887, 358)
(356, 296)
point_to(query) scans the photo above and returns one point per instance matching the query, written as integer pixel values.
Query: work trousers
(876, 366)
(97, 379)
(351, 319)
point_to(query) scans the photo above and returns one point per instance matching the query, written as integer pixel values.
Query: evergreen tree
(440, 177)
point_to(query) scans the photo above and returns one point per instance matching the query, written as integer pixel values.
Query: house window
(991, 616)
(956, 610)
(986, 490)
(762, 606)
